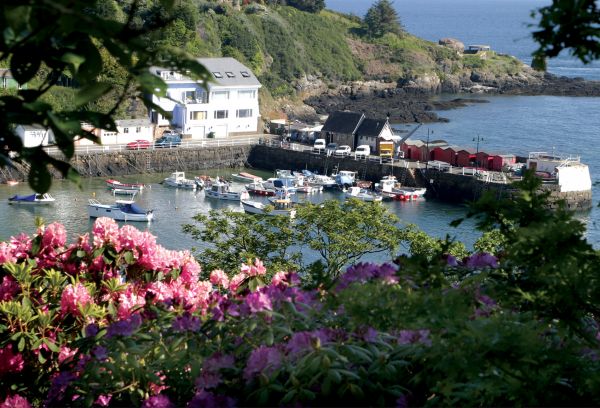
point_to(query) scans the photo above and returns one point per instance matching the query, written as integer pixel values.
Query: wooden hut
(413, 149)
(466, 157)
(497, 161)
(481, 160)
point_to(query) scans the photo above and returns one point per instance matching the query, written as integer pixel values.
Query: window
(243, 113)
(247, 94)
(245, 74)
(138, 129)
(190, 96)
(221, 114)
(229, 74)
(220, 95)
(126, 130)
(197, 115)
(218, 75)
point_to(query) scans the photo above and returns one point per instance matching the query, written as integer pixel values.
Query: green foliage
(311, 6)
(71, 45)
(567, 25)
(382, 18)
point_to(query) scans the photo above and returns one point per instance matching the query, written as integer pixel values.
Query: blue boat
(32, 199)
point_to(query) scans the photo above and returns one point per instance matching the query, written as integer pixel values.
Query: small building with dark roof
(354, 129)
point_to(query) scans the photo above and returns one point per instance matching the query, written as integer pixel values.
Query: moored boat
(389, 187)
(221, 191)
(124, 186)
(177, 179)
(245, 177)
(258, 188)
(362, 194)
(282, 206)
(32, 199)
(121, 210)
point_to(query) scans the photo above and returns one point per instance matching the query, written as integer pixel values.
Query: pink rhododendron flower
(262, 360)
(279, 278)
(156, 389)
(219, 278)
(129, 238)
(65, 354)
(72, 297)
(8, 288)
(9, 361)
(106, 231)
(103, 400)
(257, 269)
(6, 253)
(54, 235)
(21, 246)
(129, 302)
(15, 401)
(236, 281)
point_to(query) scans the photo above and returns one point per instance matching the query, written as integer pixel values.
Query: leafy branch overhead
(44, 43)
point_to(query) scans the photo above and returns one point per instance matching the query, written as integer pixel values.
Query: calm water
(174, 207)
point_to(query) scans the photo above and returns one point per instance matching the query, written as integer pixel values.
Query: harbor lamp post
(427, 158)
(477, 139)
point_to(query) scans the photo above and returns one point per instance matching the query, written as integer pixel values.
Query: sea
(505, 124)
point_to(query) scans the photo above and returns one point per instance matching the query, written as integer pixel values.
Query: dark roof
(371, 127)
(342, 122)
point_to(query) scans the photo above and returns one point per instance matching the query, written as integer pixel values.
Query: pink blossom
(8, 288)
(262, 360)
(106, 231)
(129, 238)
(6, 253)
(219, 278)
(156, 389)
(54, 235)
(257, 269)
(73, 297)
(258, 302)
(15, 401)
(103, 400)
(129, 302)
(236, 281)
(65, 354)
(21, 246)
(9, 361)
(158, 401)
(279, 278)
(190, 269)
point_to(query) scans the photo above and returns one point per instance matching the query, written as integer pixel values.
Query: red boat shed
(481, 160)
(414, 149)
(466, 157)
(497, 161)
(447, 154)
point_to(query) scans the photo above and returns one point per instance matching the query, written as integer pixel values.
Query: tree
(311, 6)
(44, 42)
(567, 25)
(381, 18)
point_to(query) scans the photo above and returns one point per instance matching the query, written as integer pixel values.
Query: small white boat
(177, 179)
(258, 188)
(362, 194)
(121, 191)
(121, 210)
(322, 181)
(246, 177)
(220, 190)
(389, 187)
(124, 186)
(283, 207)
(32, 199)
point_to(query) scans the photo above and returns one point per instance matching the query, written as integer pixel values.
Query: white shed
(34, 135)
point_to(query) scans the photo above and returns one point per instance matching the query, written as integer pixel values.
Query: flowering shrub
(116, 320)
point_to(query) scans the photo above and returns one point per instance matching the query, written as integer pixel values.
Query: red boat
(114, 184)
(257, 188)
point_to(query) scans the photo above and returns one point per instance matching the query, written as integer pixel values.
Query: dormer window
(229, 74)
(245, 74)
(218, 75)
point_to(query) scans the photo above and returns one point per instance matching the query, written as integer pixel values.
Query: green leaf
(75, 60)
(39, 177)
(91, 93)
(51, 345)
(24, 64)
(129, 258)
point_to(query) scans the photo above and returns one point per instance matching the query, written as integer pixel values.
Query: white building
(34, 135)
(128, 130)
(229, 107)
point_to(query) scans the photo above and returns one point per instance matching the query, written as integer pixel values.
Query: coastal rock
(453, 44)
(427, 83)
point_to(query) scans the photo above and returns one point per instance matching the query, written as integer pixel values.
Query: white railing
(185, 144)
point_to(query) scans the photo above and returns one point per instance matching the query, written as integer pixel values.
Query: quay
(443, 182)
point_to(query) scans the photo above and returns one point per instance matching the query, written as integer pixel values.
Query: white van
(319, 145)
(362, 152)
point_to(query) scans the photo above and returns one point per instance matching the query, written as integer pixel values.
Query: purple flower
(414, 337)
(158, 401)
(218, 361)
(58, 387)
(15, 401)
(208, 379)
(91, 330)
(402, 402)
(186, 322)
(124, 327)
(370, 335)
(302, 341)
(451, 260)
(262, 360)
(481, 260)
(364, 272)
(258, 301)
(206, 399)
(100, 352)
(103, 400)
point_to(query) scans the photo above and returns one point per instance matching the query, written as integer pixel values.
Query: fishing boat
(258, 188)
(121, 210)
(319, 180)
(243, 177)
(124, 186)
(177, 179)
(362, 194)
(32, 199)
(281, 206)
(344, 178)
(220, 190)
(389, 187)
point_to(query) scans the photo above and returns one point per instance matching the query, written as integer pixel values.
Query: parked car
(331, 148)
(362, 151)
(139, 144)
(169, 140)
(319, 145)
(343, 150)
